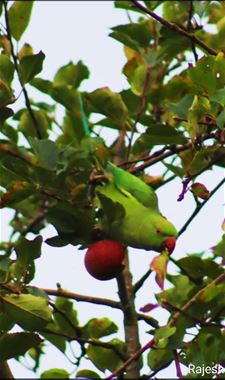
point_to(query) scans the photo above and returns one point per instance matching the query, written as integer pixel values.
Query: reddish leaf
(159, 265)
(148, 307)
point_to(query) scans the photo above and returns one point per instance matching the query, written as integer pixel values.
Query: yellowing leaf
(159, 265)
(200, 190)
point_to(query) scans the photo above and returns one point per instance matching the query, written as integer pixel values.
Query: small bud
(200, 190)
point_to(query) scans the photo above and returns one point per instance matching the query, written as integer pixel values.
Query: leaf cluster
(172, 112)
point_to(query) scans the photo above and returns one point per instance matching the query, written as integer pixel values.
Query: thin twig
(97, 301)
(132, 358)
(171, 323)
(82, 298)
(175, 28)
(141, 281)
(198, 209)
(190, 15)
(14, 57)
(162, 154)
(7, 150)
(93, 342)
(194, 299)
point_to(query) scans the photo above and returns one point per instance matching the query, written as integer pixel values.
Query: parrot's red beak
(170, 244)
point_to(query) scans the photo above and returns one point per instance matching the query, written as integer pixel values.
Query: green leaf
(171, 44)
(25, 50)
(87, 374)
(6, 93)
(220, 120)
(4, 267)
(175, 11)
(30, 312)
(30, 66)
(158, 135)
(58, 341)
(211, 292)
(72, 223)
(71, 75)
(66, 307)
(159, 357)
(112, 210)
(164, 332)
(5, 114)
(12, 345)
(218, 97)
(181, 108)
(219, 249)
(6, 323)
(19, 16)
(26, 252)
(134, 35)
(27, 126)
(57, 241)
(46, 152)
(177, 170)
(6, 69)
(208, 74)
(108, 103)
(106, 358)
(55, 373)
(99, 327)
(136, 75)
(42, 85)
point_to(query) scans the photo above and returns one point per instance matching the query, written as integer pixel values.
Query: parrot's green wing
(135, 186)
(127, 220)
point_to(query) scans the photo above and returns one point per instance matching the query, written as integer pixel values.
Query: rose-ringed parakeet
(130, 212)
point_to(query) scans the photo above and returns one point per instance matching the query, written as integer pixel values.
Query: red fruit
(103, 260)
(170, 243)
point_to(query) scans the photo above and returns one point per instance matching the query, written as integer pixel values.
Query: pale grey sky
(64, 31)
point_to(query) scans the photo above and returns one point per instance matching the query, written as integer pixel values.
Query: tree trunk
(126, 295)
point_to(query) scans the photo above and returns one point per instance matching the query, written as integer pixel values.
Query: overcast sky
(64, 31)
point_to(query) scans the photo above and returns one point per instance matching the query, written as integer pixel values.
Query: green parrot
(130, 212)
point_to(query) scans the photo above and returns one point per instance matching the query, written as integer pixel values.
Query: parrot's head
(166, 233)
(170, 243)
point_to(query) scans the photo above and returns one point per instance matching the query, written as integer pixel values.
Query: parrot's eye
(158, 231)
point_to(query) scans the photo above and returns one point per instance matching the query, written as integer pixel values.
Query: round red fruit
(104, 259)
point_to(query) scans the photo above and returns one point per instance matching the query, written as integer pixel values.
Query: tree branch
(82, 298)
(131, 359)
(161, 154)
(141, 281)
(98, 301)
(190, 15)
(171, 323)
(93, 342)
(194, 299)
(126, 295)
(5, 372)
(14, 57)
(4, 148)
(175, 28)
(198, 208)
